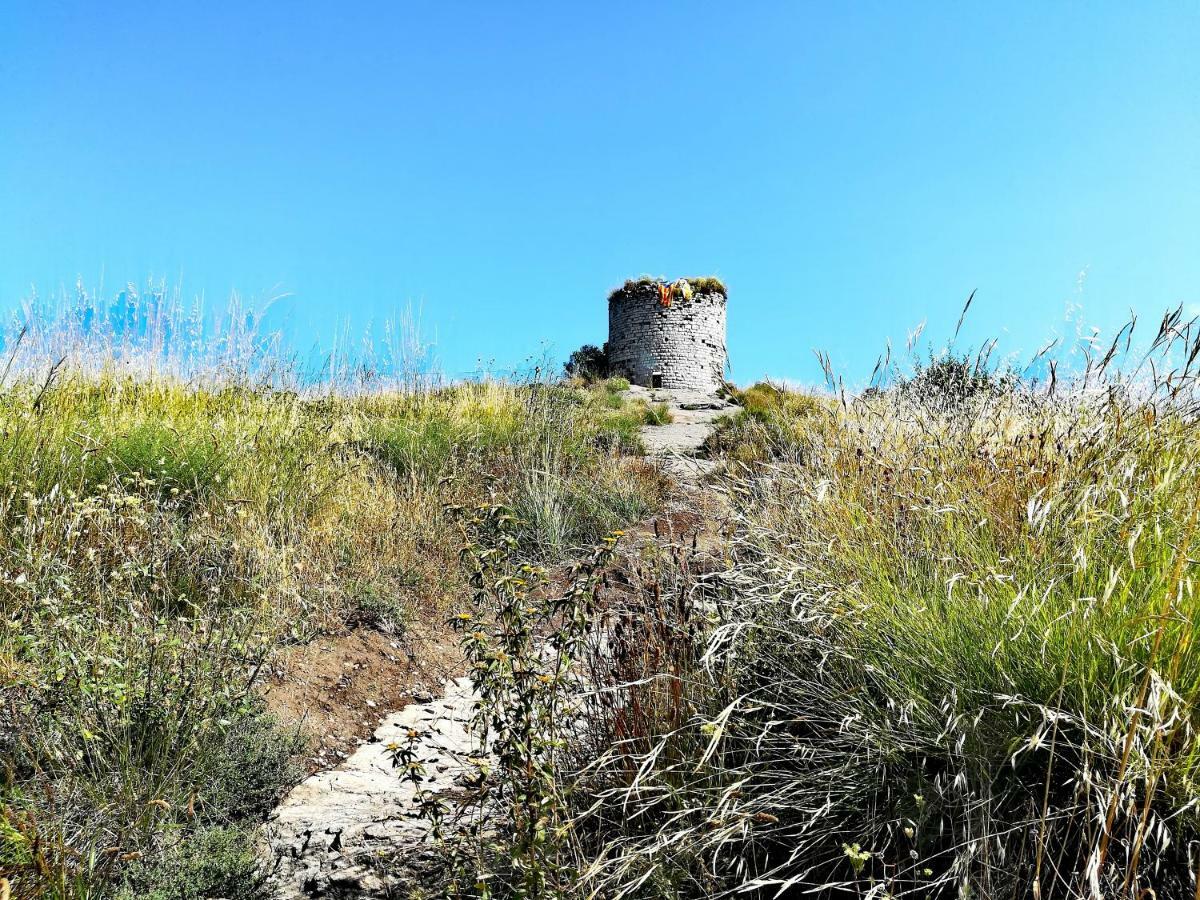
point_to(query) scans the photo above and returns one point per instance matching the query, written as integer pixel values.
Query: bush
(205, 863)
(953, 380)
(252, 763)
(705, 284)
(589, 363)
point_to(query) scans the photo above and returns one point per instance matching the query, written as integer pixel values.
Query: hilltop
(932, 639)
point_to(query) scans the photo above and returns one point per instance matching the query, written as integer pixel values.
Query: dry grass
(952, 655)
(163, 529)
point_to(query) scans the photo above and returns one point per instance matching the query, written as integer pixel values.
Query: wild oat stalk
(953, 653)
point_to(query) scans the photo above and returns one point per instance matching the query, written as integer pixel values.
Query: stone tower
(669, 335)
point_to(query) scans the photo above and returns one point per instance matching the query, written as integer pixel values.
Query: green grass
(952, 654)
(160, 540)
(658, 414)
(616, 385)
(769, 424)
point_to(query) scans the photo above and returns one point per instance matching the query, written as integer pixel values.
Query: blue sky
(850, 169)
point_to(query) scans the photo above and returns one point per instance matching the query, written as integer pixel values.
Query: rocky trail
(337, 834)
(676, 445)
(352, 831)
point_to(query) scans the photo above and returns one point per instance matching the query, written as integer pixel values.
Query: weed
(526, 690)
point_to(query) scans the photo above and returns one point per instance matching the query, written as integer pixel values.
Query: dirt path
(351, 831)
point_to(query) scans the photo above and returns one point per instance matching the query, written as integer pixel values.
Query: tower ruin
(668, 334)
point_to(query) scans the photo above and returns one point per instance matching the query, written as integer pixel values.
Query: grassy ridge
(159, 539)
(953, 655)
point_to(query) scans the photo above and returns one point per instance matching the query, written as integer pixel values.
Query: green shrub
(613, 400)
(204, 863)
(951, 380)
(765, 400)
(251, 763)
(558, 517)
(619, 434)
(589, 363)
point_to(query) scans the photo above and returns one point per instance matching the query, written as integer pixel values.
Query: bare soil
(338, 688)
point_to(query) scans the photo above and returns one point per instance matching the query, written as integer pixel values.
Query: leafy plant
(589, 363)
(526, 685)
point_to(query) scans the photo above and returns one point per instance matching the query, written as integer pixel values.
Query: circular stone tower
(668, 334)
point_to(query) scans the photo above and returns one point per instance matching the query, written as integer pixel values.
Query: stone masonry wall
(684, 341)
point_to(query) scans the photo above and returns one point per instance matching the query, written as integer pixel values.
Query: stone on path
(693, 418)
(344, 832)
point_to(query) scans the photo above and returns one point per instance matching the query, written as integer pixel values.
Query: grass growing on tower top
(706, 284)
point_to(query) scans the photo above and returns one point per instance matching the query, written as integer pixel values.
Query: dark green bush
(953, 380)
(205, 863)
(250, 765)
(589, 362)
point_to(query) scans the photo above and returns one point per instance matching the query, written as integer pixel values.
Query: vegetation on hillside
(948, 650)
(160, 539)
(950, 654)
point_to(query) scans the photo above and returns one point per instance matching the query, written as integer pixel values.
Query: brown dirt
(338, 688)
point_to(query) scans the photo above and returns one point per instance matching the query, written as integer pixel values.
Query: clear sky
(850, 169)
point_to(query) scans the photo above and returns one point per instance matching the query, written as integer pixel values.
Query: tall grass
(951, 654)
(169, 519)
